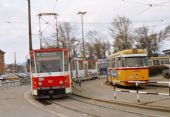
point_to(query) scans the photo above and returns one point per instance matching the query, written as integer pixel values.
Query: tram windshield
(49, 62)
(135, 61)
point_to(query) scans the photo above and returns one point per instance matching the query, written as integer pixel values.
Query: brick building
(2, 63)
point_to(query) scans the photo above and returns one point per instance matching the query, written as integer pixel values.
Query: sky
(100, 13)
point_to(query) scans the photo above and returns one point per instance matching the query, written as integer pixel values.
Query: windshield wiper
(46, 69)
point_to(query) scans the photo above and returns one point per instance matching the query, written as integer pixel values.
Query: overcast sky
(14, 26)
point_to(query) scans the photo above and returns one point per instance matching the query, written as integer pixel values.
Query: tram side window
(66, 64)
(162, 62)
(156, 62)
(166, 61)
(118, 62)
(80, 65)
(113, 62)
(32, 66)
(91, 65)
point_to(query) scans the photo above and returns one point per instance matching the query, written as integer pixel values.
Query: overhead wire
(49, 24)
(151, 5)
(91, 23)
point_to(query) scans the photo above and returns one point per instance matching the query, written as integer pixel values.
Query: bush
(154, 70)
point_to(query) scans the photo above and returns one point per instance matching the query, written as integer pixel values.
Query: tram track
(157, 85)
(103, 105)
(114, 108)
(112, 103)
(72, 109)
(91, 103)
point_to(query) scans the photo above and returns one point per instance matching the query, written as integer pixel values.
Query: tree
(120, 32)
(150, 41)
(67, 36)
(97, 45)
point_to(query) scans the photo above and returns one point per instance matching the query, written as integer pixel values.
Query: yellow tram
(127, 65)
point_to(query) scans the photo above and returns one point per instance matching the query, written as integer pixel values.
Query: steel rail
(98, 105)
(139, 105)
(67, 107)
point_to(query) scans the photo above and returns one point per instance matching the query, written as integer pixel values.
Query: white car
(3, 77)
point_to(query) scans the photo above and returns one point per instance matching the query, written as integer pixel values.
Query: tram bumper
(51, 92)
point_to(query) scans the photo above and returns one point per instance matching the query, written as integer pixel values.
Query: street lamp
(82, 13)
(29, 25)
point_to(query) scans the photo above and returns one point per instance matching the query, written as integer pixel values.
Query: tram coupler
(51, 93)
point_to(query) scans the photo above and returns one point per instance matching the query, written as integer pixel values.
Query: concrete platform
(97, 89)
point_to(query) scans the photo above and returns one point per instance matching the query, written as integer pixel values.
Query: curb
(163, 109)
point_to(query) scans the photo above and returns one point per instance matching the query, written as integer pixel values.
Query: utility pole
(82, 13)
(29, 25)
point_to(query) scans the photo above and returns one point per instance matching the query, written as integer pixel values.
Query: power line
(162, 3)
(47, 22)
(148, 4)
(141, 12)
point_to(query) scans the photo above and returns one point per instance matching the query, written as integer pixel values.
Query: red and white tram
(50, 72)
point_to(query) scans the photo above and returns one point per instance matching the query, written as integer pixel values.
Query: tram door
(85, 68)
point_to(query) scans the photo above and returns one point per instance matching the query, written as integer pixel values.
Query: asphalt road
(17, 102)
(14, 104)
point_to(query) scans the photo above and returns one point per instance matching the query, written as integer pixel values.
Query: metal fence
(13, 83)
(137, 92)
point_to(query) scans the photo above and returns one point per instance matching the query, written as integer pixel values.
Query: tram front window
(135, 62)
(49, 62)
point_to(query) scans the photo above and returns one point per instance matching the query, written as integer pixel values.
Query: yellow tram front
(127, 66)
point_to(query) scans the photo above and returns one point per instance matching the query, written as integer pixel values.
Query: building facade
(2, 62)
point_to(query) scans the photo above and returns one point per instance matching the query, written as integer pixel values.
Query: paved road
(17, 102)
(13, 104)
(98, 90)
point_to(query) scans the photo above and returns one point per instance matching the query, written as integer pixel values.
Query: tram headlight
(40, 83)
(130, 77)
(137, 77)
(61, 82)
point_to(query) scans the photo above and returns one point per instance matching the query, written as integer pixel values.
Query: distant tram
(83, 69)
(127, 65)
(50, 72)
(158, 61)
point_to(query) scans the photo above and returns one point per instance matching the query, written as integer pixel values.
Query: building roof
(167, 51)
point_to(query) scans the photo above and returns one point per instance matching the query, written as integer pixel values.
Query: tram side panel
(130, 74)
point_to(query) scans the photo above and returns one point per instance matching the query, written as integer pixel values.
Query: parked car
(3, 77)
(22, 75)
(12, 77)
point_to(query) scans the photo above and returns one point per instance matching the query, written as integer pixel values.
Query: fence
(137, 84)
(13, 83)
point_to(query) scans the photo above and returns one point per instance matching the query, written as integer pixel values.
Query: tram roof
(128, 51)
(49, 50)
(159, 58)
(167, 51)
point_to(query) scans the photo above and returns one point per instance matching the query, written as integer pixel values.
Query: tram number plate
(50, 81)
